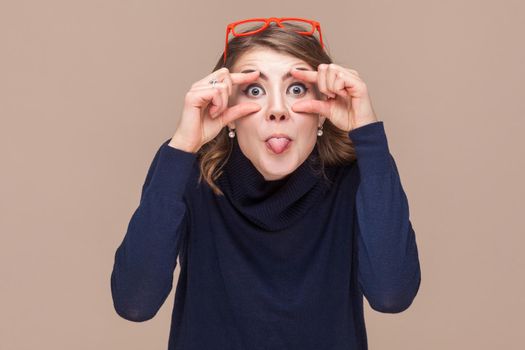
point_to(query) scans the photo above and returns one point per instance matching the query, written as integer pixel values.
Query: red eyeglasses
(240, 28)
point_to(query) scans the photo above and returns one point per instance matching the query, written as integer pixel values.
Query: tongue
(278, 144)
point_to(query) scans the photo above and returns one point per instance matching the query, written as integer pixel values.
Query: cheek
(307, 125)
(308, 96)
(304, 134)
(247, 127)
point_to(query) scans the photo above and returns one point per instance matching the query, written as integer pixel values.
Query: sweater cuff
(172, 172)
(371, 148)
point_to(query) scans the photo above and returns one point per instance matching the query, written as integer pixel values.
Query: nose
(277, 109)
(279, 116)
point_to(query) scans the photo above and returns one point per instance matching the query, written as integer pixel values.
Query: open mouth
(278, 145)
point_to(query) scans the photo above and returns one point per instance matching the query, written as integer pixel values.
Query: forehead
(268, 60)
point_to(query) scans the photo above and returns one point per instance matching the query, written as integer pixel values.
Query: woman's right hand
(206, 109)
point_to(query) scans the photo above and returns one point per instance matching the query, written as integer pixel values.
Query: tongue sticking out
(278, 144)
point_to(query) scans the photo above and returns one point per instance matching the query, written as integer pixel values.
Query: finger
(239, 110)
(223, 75)
(203, 98)
(331, 74)
(309, 76)
(351, 81)
(213, 96)
(218, 85)
(224, 98)
(354, 72)
(321, 80)
(339, 85)
(228, 81)
(312, 106)
(218, 75)
(241, 78)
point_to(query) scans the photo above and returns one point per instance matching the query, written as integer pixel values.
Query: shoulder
(346, 176)
(349, 169)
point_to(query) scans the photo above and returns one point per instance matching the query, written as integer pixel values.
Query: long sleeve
(388, 265)
(144, 262)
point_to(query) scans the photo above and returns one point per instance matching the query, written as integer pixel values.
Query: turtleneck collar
(273, 205)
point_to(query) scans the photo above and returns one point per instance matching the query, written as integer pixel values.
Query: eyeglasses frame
(230, 28)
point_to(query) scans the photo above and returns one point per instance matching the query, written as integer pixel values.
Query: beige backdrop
(90, 89)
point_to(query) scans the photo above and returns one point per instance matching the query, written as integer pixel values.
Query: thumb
(239, 110)
(312, 106)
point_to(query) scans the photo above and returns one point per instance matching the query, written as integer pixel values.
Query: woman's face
(275, 92)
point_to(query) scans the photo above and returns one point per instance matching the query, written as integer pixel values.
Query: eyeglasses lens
(253, 26)
(299, 26)
(248, 27)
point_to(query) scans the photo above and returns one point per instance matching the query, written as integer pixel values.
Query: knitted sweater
(280, 264)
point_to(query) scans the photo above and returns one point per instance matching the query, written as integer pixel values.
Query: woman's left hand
(348, 105)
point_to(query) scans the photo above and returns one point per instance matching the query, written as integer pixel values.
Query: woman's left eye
(301, 85)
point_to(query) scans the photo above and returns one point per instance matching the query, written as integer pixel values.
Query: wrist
(177, 142)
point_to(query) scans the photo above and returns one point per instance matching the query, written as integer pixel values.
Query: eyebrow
(264, 77)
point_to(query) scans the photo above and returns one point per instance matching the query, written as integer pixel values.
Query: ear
(231, 125)
(322, 118)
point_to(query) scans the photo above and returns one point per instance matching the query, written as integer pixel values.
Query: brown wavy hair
(335, 147)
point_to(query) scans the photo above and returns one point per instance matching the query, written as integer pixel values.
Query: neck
(271, 204)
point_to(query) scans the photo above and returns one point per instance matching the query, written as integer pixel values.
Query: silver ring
(213, 82)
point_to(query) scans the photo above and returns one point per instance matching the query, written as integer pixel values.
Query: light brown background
(90, 89)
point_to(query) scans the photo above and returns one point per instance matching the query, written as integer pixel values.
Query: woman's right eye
(256, 87)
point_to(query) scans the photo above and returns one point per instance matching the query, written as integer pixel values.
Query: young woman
(279, 196)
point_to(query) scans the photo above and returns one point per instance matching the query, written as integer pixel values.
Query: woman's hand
(348, 105)
(206, 110)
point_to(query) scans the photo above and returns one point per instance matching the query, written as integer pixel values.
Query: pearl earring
(320, 130)
(231, 134)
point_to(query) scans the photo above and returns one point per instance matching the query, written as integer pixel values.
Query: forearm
(389, 271)
(144, 262)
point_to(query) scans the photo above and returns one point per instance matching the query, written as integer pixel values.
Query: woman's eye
(294, 89)
(256, 90)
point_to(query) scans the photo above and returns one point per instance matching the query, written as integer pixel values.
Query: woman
(301, 212)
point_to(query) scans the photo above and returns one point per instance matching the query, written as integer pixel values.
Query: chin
(275, 176)
(276, 166)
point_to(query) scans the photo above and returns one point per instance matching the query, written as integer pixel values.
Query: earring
(320, 130)
(231, 134)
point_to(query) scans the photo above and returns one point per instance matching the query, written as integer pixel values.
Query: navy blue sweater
(280, 264)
